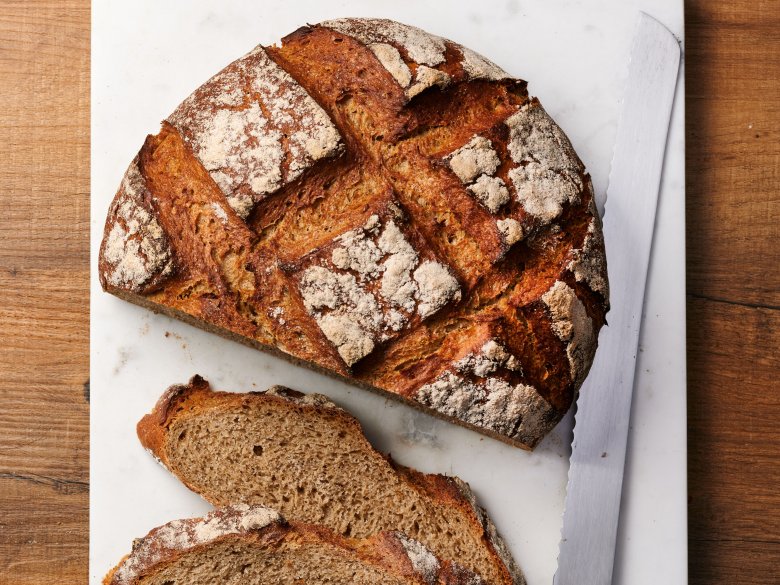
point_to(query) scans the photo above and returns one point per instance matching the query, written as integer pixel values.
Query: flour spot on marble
(124, 354)
(183, 343)
(418, 429)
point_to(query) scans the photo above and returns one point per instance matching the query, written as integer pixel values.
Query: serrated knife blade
(592, 507)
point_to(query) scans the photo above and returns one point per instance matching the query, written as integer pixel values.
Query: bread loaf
(254, 544)
(381, 204)
(307, 458)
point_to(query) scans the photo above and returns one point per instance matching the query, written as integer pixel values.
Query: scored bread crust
(383, 205)
(392, 553)
(197, 397)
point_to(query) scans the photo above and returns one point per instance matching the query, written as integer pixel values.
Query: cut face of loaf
(308, 458)
(255, 545)
(381, 204)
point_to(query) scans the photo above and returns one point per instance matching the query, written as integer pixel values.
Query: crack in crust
(398, 46)
(449, 208)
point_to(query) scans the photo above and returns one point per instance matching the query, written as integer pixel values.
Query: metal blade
(590, 519)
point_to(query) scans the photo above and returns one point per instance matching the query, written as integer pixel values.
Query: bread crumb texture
(499, 544)
(238, 543)
(305, 457)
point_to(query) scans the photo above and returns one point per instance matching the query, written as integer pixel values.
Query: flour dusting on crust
(420, 46)
(424, 77)
(478, 67)
(488, 360)
(475, 163)
(548, 173)
(511, 230)
(475, 391)
(354, 317)
(136, 248)
(391, 60)
(571, 323)
(588, 264)
(243, 143)
(181, 535)
(425, 50)
(490, 192)
(436, 285)
(473, 159)
(423, 561)
(512, 410)
(466, 577)
(370, 286)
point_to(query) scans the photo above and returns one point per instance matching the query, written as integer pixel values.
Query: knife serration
(590, 520)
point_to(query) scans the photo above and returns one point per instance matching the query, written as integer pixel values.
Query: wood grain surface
(44, 295)
(733, 224)
(733, 210)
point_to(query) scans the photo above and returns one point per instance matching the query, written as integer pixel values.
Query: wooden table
(733, 210)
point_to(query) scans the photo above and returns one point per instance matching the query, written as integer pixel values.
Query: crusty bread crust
(391, 553)
(197, 397)
(381, 204)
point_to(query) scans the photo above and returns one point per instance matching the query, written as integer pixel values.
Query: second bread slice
(308, 458)
(253, 544)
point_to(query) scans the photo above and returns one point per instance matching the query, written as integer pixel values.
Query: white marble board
(148, 55)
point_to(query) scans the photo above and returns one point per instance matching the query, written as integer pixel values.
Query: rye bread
(308, 458)
(384, 205)
(254, 544)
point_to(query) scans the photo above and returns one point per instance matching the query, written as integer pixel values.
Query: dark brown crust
(142, 301)
(236, 277)
(383, 551)
(197, 396)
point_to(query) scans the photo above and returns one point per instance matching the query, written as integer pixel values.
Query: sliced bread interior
(254, 544)
(309, 459)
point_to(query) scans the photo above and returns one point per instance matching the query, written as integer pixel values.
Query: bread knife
(592, 507)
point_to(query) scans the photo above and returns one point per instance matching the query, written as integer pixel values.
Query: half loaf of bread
(306, 457)
(382, 204)
(255, 545)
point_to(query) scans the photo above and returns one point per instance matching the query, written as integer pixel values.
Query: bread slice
(254, 544)
(308, 458)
